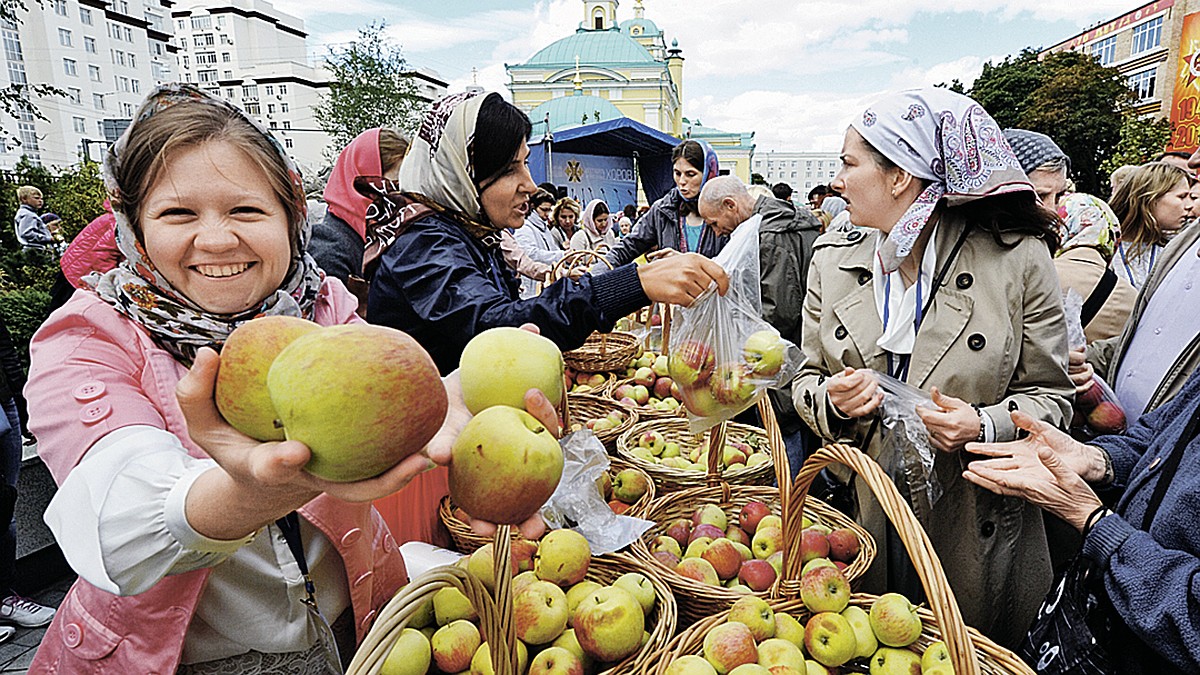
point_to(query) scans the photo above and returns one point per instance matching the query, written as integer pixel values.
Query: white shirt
(119, 518)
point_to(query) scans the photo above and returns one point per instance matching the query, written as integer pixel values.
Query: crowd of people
(939, 255)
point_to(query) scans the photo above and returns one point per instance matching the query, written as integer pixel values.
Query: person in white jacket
(535, 238)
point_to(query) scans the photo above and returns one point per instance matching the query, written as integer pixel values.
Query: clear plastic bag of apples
(1097, 410)
(723, 355)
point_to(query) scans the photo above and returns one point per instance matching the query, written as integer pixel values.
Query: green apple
(640, 588)
(710, 514)
(570, 642)
(629, 485)
(825, 589)
(563, 558)
(523, 579)
(454, 645)
(815, 668)
(936, 656)
(449, 605)
(745, 552)
(539, 613)
(556, 661)
(895, 621)
(690, 665)
(769, 521)
(504, 465)
(860, 621)
(481, 663)
(671, 450)
(731, 384)
(665, 543)
(829, 639)
(361, 397)
(754, 612)
(424, 616)
(609, 624)
(241, 392)
(764, 352)
(788, 628)
(779, 652)
(893, 661)
(814, 564)
(750, 669)
(576, 594)
(728, 646)
(499, 365)
(766, 541)
(410, 654)
(698, 569)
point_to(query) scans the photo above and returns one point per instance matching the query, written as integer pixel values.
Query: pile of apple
(650, 385)
(756, 640)
(652, 446)
(746, 556)
(708, 387)
(586, 383)
(612, 420)
(623, 489)
(569, 625)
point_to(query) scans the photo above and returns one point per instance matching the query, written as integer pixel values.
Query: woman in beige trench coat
(953, 290)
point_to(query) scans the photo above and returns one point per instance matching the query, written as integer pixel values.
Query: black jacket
(443, 287)
(659, 228)
(12, 375)
(337, 248)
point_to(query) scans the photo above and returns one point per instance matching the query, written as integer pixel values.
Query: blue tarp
(621, 137)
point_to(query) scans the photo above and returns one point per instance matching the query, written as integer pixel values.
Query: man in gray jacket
(785, 247)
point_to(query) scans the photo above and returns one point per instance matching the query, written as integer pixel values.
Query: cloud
(810, 120)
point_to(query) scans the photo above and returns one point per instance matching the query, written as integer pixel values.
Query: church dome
(593, 47)
(640, 28)
(572, 111)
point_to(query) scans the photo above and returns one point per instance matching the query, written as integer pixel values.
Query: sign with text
(589, 177)
(1105, 29)
(1185, 102)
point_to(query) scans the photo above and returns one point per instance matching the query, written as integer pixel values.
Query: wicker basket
(675, 429)
(698, 600)
(603, 352)
(586, 407)
(970, 652)
(495, 613)
(466, 540)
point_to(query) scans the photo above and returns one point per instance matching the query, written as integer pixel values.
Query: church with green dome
(609, 69)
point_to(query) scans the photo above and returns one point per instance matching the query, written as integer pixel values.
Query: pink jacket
(94, 249)
(94, 372)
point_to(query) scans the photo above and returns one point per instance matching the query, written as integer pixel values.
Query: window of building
(206, 76)
(98, 101)
(283, 107)
(1148, 35)
(182, 25)
(270, 89)
(226, 40)
(226, 57)
(273, 125)
(287, 124)
(202, 22)
(118, 57)
(283, 89)
(127, 110)
(132, 60)
(287, 143)
(64, 37)
(228, 74)
(229, 92)
(94, 73)
(75, 95)
(206, 58)
(1105, 50)
(78, 124)
(220, 21)
(250, 91)
(122, 6)
(135, 86)
(60, 7)
(69, 67)
(1143, 83)
(89, 45)
(128, 33)
(253, 108)
(270, 107)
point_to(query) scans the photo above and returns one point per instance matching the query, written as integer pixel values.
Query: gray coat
(658, 228)
(994, 336)
(32, 232)
(1106, 355)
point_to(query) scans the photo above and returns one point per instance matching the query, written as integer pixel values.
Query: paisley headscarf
(359, 158)
(947, 139)
(710, 170)
(136, 289)
(1090, 222)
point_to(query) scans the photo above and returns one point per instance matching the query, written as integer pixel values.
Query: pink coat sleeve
(94, 249)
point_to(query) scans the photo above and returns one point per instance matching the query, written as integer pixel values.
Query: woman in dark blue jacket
(1149, 564)
(441, 277)
(673, 221)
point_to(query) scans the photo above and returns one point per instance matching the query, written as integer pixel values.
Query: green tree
(1068, 96)
(1142, 139)
(371, 87)
(757, 179)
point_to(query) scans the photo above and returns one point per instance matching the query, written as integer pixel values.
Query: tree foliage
(1142, 139)
(371, 87)
(1068, 96)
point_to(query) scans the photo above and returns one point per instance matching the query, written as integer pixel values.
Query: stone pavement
(17, 652)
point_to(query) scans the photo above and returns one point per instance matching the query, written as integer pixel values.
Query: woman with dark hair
(947, 285)
(441, 277)
(596, 231)
(338, 240)
(673, 222)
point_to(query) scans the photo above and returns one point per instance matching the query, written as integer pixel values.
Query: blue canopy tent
(621, 139)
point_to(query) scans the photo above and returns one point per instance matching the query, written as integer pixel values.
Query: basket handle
(933, 578)
(501, 632)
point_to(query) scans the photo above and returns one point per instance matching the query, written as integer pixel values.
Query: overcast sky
(792, 71)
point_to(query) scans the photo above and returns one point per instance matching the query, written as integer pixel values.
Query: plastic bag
(723, 355)
(1097, 410)
(907, 455)
(577, 503)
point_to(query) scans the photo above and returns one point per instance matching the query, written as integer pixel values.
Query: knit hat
(1033, 149)
(50, 218)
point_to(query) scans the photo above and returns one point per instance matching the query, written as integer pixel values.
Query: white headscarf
(947, 139)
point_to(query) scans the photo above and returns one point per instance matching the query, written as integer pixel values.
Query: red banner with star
(1185, 106)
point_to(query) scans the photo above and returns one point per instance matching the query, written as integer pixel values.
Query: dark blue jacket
(1153, 578)
(443, 287)
(659, 228)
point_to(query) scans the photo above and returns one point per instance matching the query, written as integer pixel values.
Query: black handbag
(1076, 619)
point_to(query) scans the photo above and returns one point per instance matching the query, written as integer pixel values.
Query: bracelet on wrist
(1095, 517)
(982, 426)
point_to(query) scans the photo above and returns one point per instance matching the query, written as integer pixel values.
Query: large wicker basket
(698, 600)
(584, 407)
(675, 429)
(495, 612)
(970, 652)
(603, 352)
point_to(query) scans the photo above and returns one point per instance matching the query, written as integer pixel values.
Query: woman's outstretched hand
(680, 279)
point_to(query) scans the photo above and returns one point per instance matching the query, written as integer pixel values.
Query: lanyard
(900, 371)
(1125, 261)
(290, 526)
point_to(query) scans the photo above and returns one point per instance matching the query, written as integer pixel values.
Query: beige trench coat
(994, 336)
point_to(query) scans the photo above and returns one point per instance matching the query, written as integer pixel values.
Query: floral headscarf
(710, 170)
(947, 139)
(136, 289)
(1090, 222)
